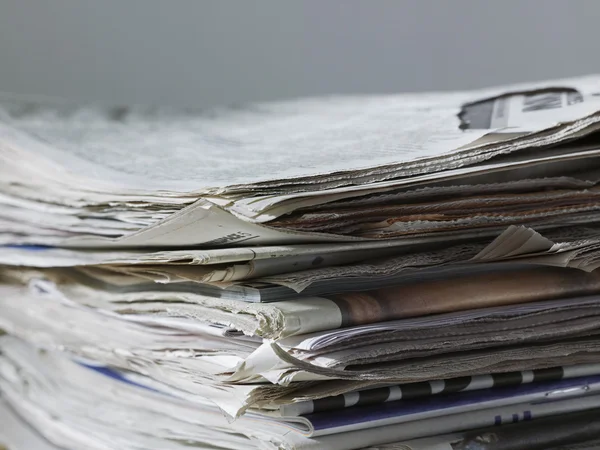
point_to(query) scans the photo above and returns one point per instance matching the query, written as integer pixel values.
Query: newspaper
(383, 246)
(161, 350)
(457, 440)
(88, 335)
(501, 284)
(363, 417)
(16, 433)
(51, 320)
(90, 418)
(394, 393)
(40, 256)
(526, 321)
(561, 247)
(569, 430)
(270, 207)
(274, 364)
(93, 171)
(321, 266)
(382, 350)
(129, 140)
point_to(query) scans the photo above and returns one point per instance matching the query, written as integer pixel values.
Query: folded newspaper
(399, 271)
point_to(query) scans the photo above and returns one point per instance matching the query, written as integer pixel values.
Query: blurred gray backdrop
(203, 53)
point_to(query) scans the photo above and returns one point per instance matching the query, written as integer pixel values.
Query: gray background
(202, 53)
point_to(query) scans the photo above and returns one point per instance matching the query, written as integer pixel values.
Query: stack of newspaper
(399, 271)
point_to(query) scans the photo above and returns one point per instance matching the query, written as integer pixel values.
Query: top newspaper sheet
(159, 177)
(161, 149)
